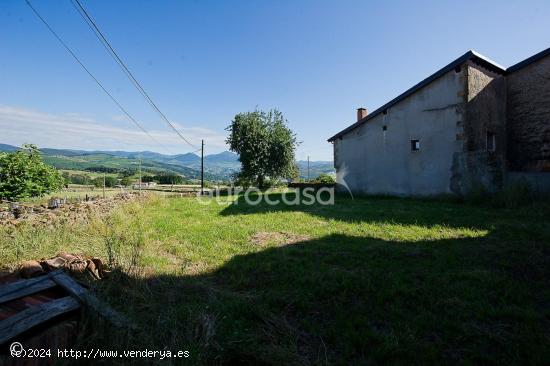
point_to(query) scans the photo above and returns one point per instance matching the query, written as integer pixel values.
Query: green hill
(216, 166)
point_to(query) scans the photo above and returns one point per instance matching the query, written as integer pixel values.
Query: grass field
(366, 281)
(88, 173)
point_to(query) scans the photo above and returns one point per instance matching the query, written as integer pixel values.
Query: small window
(385, 111)
(458, 69)
(415, 145)
(384, 128)
(491, 141)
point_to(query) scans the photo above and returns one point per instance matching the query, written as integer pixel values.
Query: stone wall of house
(528, 122)
(483, 111)
(454, 118)
(377, 157)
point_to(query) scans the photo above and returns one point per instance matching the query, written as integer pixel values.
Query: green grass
(92, 175)
(366, 281)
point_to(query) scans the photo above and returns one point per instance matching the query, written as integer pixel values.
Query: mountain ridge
(219, 166)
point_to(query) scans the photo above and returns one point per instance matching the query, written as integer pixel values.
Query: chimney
(361, 113)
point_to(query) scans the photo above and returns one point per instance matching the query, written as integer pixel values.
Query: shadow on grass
(405, 211)
(349, 300)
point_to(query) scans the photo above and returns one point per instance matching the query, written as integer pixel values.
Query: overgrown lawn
(366, 281)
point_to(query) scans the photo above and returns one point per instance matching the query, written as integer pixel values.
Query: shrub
(110, 181)
(24, 174)
(126, 181)
(324, 178)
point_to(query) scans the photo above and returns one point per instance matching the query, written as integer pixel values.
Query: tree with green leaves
(24, 174)
(109, 180)
(126, 181)
(265, 145)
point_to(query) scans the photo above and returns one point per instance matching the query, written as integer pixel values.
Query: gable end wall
(528, 109)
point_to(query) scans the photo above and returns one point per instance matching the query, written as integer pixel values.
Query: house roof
(528, 61)
(470, 55)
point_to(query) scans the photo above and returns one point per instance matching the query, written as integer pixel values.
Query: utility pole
(104, 185)
(140, 175)
(202, 166)
(308, 167)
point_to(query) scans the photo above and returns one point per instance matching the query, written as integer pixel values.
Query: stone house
(472, 123)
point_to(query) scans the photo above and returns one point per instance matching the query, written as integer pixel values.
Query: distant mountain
(185, 159)
(223, 157)
(316, 168)
(7, 148)
(216, 166)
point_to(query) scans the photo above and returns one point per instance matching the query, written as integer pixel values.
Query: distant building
(471, 123)
(144, 185)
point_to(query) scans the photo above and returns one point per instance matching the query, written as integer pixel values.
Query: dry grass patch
(279, 238)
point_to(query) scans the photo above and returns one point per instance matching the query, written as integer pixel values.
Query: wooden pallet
(42, 311)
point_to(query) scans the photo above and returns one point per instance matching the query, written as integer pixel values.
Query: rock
(68, 257)
(77, 266)
(54, 263)
(31, 269)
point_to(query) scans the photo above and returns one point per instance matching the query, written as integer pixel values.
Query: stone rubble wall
(70, 213)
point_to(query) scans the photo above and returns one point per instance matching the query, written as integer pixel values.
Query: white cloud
(119, 118)
(74, 131)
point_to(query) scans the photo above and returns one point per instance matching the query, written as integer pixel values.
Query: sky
(202, 62)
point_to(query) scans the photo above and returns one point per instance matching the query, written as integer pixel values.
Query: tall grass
(366, 281)
(517, 195)
(118, 238)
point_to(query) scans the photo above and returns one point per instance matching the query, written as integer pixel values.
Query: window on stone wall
(415, 145)
(491, 141)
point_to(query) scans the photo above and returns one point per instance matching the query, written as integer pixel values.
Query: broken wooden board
(22, 288)
(33, 289)
(33, 316)
(85, 297)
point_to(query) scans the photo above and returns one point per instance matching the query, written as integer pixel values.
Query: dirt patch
(263, 238)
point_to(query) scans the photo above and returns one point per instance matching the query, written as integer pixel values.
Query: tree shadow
(405, 211)
(341, 299)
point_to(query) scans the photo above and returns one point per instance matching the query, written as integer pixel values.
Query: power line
(68, 49)
(111, 51)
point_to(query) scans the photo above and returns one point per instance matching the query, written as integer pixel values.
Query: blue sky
(205, 61)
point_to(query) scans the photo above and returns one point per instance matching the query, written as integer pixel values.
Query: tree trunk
(261, 182)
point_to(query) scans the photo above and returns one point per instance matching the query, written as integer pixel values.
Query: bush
(24, 174)
(169, 179)
(82, 179)
(323, 178)
(126, 181)
(110, 181)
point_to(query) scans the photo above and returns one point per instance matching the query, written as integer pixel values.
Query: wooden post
(202, 167)
(103, 185)
(140, 175)
(308, 168)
